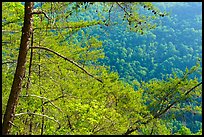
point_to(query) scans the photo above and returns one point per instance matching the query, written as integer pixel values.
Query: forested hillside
(100, 68)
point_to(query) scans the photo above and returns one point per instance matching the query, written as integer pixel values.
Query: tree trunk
(20, 69)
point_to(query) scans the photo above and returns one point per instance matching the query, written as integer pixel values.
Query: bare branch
(70, 60)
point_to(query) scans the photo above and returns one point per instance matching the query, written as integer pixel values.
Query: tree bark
(20, 70)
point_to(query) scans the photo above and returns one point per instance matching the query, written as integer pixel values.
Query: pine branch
(42, 98)
(8, 22)
(130, 130)
(123, 8)
(193, 88)
(171, 105)
(41, 12)
(70, 60)
(54, 99)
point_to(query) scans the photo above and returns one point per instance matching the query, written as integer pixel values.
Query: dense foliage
(69, 87)
(172, 46)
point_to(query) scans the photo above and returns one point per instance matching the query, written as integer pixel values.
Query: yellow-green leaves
(82, 105)
(184, 131)
(12, 12)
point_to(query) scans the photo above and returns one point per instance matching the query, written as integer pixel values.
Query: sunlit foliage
(58, 97)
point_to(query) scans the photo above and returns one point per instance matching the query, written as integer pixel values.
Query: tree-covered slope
(69, 87)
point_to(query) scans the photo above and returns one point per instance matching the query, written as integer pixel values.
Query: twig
(123, 9)
(71, 61)
(54, 99)
(110, 12)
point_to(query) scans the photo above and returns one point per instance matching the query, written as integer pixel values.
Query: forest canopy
(100, 68)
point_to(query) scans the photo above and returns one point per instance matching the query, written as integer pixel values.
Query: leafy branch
(41, 12)
(70, 60)
(42, 98)
(9, 22)
(170, 106)
(30, 113)
(14, 61)
(130, 130)
(123, 8)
